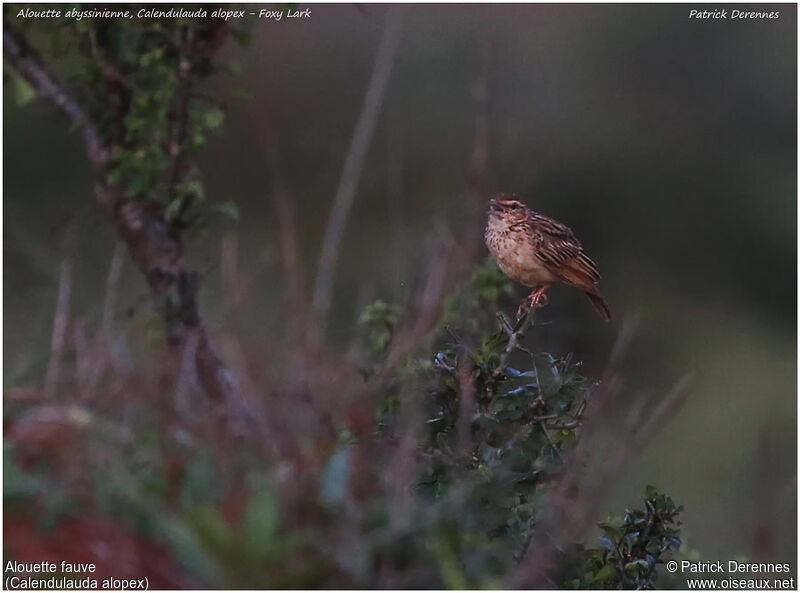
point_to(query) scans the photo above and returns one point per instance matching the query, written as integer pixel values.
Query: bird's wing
(562, 253)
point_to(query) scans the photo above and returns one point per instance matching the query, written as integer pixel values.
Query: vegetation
(435, 455)
(441, 480)
(134, 88)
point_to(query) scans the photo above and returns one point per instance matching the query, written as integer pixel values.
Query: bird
(538, 252)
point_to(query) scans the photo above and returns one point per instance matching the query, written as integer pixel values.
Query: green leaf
(227, 209)
(193, 188)
(187, 549)
(201, 483)
(547, 374)
(138, 185)
(23, 92)
(260, 523)
(213, 118)
(133, 123)
(637, 566)
(605, 574)
(212, 528)
(18, 482)
(173, 209)
(114, 176)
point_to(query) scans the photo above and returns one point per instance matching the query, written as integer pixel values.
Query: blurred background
(668, 144)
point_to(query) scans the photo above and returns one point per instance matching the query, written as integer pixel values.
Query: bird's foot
(535, 300)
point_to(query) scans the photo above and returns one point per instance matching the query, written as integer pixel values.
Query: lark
(537, 252)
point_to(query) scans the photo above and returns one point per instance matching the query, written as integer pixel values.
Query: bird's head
(508, 209)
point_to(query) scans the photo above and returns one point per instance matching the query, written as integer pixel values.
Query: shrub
(444, 488)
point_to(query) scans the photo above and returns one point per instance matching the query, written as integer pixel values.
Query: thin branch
(114, 272)
(479, 162)
(29, 64)
(404, 462)
(466, 407)
(186, 375)
(550, 440)
(351, 173)
(504, 322)
(58, 337)
(229, 271)
(477, 170)
(180, 119)
(426, 301)
(101, 348)
(515, 336)
(283, 204)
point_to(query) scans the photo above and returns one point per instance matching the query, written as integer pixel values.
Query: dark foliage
(444, 491)
(633, 547)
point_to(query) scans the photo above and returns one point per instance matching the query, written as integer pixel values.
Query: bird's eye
(514, 206)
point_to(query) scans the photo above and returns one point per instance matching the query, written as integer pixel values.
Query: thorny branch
(515, 335)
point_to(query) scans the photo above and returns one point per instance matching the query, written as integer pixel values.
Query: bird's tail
(600, 304)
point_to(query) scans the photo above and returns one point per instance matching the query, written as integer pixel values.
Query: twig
(59, 331)
(283, 204)
(476, 172)
(394, 200)
(466, 405)
(186, 375)
(425, 307)
(515, 335)
(404, 463)
(101, 348)
(504, 322)
(479, 162)
(351, 173)
(453, 259)
(229, 271)
(550, 440)
(666, 409)
(28, 63)
(180, 119)
(114, 272)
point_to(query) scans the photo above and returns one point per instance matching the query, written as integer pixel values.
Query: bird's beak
(494, 205)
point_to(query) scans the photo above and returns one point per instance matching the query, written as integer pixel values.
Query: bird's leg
(538, 297)
(533, 301)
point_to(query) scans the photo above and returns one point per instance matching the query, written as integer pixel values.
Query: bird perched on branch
(537, 252)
